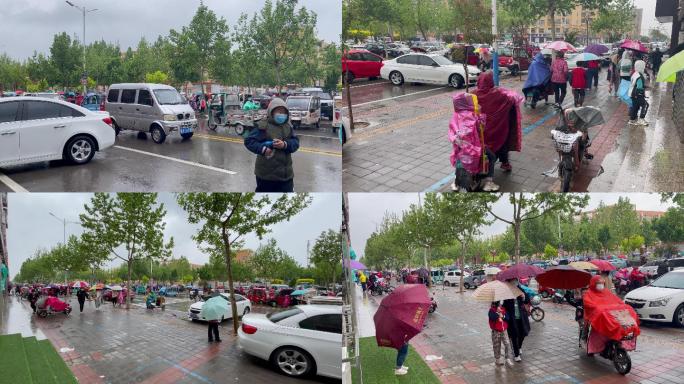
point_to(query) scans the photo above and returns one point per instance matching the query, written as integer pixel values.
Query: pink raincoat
(121, 298)
(464, 133)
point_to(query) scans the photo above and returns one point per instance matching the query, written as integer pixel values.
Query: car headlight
(170, 118)
(660, 302)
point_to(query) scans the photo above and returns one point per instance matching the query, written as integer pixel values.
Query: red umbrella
(564, 277)
(603, 265)
(634, 45)
(401, 315)
(519, 271)
(79, 284)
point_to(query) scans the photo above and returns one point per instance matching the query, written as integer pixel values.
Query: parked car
(47, 95)
(327, 104)
(453, 278)
(301, 341)
(282, 298)
(475, 279)
(397, 49)
(427, 68)
(360, 63)
(244, 306)
(40, 129)
(169, 291)
(379, 49)
(651, 267)
(304, 110)
(514, 60)
(154, 108)
(662, 300)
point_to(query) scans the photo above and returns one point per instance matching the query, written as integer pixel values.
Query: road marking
(395, 97)
(240, 141)
(186, 162)
(13, 185)
(369, 84)
(319, 136)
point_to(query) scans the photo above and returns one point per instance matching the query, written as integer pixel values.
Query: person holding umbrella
(518, 321)
(211, 311)
(494, 292)
(81, 295)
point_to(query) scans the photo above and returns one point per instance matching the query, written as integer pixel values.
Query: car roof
(48, 99)
(320, 309)
(141, 85)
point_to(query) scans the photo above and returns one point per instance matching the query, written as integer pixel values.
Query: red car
(359, 63)
(282, 299)
(260, 295)
(514, 59)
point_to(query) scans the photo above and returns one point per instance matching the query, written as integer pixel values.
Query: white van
(155, 108)
(304, 110)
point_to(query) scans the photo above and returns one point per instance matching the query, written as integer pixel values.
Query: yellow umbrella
(496, 291)
(668, 71)
(584, 265)
(477, 50)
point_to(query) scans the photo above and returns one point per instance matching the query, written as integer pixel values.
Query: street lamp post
(495, 46)
(64, 223)
(84, 10)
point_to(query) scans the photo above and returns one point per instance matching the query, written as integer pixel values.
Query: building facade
(575, 21)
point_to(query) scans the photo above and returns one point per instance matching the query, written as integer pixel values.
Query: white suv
(662, 300)
(453, 278)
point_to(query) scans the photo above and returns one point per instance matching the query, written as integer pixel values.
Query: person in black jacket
(81, 295)
(518, 321)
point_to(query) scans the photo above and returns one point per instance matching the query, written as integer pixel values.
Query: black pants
(274, 186)
(80, 304)
(516, 337)
(559, 92)
(578, 94)
(213, 328)
(638, 103)
(592, 76)
(656, 68)
(33, 306)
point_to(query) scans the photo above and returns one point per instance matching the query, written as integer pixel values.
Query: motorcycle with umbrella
(606, 324)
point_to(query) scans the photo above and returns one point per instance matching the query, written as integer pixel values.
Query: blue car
(92, 102)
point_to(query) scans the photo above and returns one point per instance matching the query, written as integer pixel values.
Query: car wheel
(158, 134)
(80, 149)
(466, 285)
(446, 283)
(350, 77)
(239, 129)
(456, 81)
(293, 361)
(545, 294)
(678, 319)
(514, 70)
(396, 78)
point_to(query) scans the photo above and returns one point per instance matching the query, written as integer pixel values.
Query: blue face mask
(280, 118)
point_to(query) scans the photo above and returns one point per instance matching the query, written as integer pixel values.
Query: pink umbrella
(519, 271)
(401, 315)
(634, 45)
(603, 265)
(560, 46)
(79, 284)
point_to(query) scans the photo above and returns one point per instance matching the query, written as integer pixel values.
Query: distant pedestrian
(81, 295)
(518, 321)
(121, 298)
(578, 82)
(613, 75)
(203, 105)
(637, 91)
(592, 73)
(656, 60)
(559, 77)
(402, 353)
(498, 318)
(362, 280)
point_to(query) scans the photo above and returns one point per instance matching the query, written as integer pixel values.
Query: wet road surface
(402, 145)
(210, 161)
(114, 345)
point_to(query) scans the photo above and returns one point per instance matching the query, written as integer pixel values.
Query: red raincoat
(502, 108)
(608, 314)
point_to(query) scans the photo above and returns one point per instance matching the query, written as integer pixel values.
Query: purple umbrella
(596, 49)
(357, 265)
(519, 271)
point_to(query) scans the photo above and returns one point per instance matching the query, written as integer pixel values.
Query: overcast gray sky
(31, 227)
(649, 21)
(366, 211)
(29, 25)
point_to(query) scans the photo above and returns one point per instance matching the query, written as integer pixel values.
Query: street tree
(226, 218)
(670, 226)
(126, 226)
(326, 254)
(530, 206)
(615, 19)
(65, 58)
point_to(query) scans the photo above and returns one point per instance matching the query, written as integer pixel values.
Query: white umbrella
(496, 291)
(117, 288)
(492, 271)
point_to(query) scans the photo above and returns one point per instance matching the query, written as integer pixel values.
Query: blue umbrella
(596, 49)
(585, 57)
(214, 308)
(298, 292)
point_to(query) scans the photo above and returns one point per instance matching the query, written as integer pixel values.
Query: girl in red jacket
(578, 82)
(498, 324)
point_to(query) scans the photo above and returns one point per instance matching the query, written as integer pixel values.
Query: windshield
(167, 96)
(504, 52)
(670, 280)
(277, 317)
(298, 103)
(441, 60)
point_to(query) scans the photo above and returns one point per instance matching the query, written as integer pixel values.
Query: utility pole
(308, 252)
(84, 10)
(64, 223)
(495, 46)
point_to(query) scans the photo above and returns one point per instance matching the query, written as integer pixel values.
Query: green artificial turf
(57, 365)
(13, 363)
(38, 365)
(377, 366)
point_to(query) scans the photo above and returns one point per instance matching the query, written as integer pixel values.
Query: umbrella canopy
(401, 315)
(214, 308)
(298, 292)
(116, 288)
(492, 270)
(560, 46)
(357, 265)
(603, 265)
(585, 117)
(79, 284)
(564, 277)
(496, 291)
(586, 56)
(519, 271)
(422, 272)
(668, 71)
(596, 49)
(99, 286)
(547, 51)
(585, 265)
(634, 45)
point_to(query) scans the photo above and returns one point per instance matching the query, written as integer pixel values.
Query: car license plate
(185, 129)
(193, 315)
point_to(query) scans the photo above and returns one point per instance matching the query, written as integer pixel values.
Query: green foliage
(550, 252)
(670, 227)
(326, 255)
(631, 243)
(615, 19)
(157, 77)
(270, 262)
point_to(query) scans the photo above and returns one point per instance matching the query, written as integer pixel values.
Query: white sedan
(243, 307)
(304, 340)
(428, 69)
(662, 300)
(39, 129)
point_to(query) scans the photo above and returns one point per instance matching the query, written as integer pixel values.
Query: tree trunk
(462, 263)
(233, 306)
(516, 231)
(552, 15)
(128, 285)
